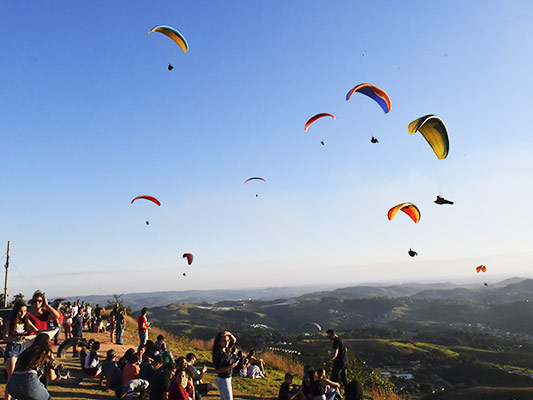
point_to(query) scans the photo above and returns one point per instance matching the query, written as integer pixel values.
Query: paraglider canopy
(312, 120)
(481, 268)
(151, 198)
(435, 133)
(189, 257)
(408, 208)
(173, 34)
(311, 324)
(375, 93)
(255, 178)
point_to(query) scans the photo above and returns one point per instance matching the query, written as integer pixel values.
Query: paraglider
(150, 198)
(435, 133)
(481, 268)
(322, 142)
(172, 34)
(311, 324)
(408, 208)
(375, 93)
(255, 178)
(412, 253)
(147, 222)
(442, 200)
(184, 274)
(170, 67)
(189, 257)
(374, 140)
(312, 120)
(486, 284)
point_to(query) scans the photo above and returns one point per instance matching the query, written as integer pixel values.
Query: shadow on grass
(66, 394)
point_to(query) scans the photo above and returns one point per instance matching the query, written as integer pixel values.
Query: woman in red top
(41, 312)
(177, 391)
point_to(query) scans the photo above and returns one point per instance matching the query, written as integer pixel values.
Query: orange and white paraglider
(481, 268)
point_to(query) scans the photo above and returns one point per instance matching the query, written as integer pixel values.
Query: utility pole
(5, 283)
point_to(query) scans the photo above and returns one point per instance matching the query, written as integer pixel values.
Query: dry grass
(378, 394)
(202, 344)
(282, 363)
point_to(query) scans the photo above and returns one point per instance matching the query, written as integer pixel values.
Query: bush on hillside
(371, 380)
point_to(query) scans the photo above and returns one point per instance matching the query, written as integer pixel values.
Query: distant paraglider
(170, 67)
(312, 120)
(172, 34)
(189, 257)
(255, 178)
(375, 93)
(147, 222)
(150, 198)
(304, 326)
(322, 143)
(481, 268)
(435, 133)
(442, 200)
(412, 253)
(408, 208)
(374, 140)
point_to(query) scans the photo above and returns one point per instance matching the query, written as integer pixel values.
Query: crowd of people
(150, 370)
(315, 384)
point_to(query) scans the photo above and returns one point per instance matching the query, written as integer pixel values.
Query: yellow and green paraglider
(173, 34)
(434, 131)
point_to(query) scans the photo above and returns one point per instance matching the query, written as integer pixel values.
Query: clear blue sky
(91, 118)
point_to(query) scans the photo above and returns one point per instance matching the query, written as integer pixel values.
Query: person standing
(120, 322)
(143, 326)
(224, 363)
(41, 312)
(16, 329)
(339, 358)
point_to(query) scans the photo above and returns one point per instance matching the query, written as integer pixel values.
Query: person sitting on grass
(130, 378)
(111, 373)
(92, 364)
(253, 360)
(323, 388)
(181, 388)
(200, 388)
(288, 391)
(160, 382)
(162, 349)
(149, 368)
(35, 363)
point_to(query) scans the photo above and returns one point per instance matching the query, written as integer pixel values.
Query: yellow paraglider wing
(173, 34)
(434, 131)
(408, 208)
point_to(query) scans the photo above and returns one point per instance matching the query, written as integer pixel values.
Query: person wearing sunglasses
(41, 312)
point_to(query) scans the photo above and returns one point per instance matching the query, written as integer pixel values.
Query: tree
(18, 297)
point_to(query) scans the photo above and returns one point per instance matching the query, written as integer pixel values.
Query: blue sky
(92, 118)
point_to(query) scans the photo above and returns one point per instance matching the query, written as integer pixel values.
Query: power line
(22, 274)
